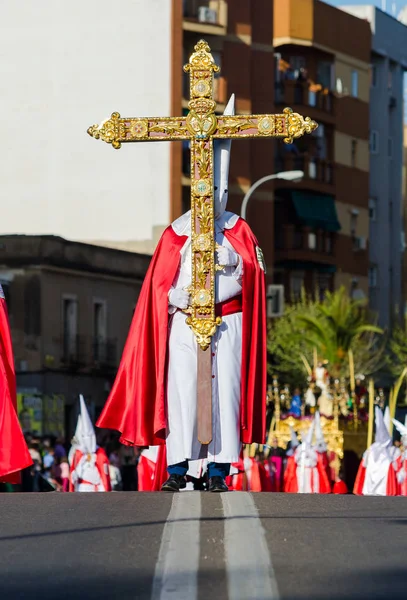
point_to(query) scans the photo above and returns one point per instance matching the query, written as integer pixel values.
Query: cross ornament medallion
(201, 127)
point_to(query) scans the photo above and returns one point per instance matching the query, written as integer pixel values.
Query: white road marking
(249, 569)
(176, 571)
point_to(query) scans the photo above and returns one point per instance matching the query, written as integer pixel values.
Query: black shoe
(217, 484)
(174, 483)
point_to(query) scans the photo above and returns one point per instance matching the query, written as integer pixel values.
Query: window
(312, 241)
(99, 329)
(353, 221)
(325, 74)
(297, 63)
(353, 152)
(70, 326)
(355, 84)
(296, 284)
(373, 76)
(312, 169)
(372, 209)
(390, 147)
(374, 142)
(373, 276)
(328, 243)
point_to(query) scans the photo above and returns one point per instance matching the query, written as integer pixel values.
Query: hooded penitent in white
(377, 462)
(85, 472)
(307, 461)
(226, 348)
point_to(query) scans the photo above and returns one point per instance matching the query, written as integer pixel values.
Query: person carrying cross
(193, 371)
(154, 396)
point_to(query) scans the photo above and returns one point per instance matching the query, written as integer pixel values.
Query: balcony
(303, 244)
(87, 353)
(104, 353)
(73, 351)
(315, 170)
(301, 93)
(205, 16)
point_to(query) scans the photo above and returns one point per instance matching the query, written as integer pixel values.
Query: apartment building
(388, 66)
(322, 222)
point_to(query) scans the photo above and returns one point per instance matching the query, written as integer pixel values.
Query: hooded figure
(401, 460)
(290, 473)
(89, 463)
(154, 398)
(376, 475)
(310, 476)
(14, 454)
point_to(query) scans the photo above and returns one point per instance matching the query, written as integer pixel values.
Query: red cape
(136, 405)
(14, 454)
(102, 465)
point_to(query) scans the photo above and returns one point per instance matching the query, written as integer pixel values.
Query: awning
(318, 212)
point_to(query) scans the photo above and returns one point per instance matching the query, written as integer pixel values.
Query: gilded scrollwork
(204, 329)
(297, 125)
(201, 59)
(231, 125)
(111, 131)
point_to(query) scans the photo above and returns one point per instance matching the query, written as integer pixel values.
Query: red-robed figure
(14, 455)
(153, 400)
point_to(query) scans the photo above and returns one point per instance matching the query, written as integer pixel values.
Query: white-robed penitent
(89, 463)
(182, 441)
(376, 475)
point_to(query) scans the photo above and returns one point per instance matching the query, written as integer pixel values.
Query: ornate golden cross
(201, 127)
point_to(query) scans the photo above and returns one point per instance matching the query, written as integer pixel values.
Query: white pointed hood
(386, 418)
(402, 429)
(310, 433)
(382, 435)
(87, 439)
(320, 445)
(221, 150)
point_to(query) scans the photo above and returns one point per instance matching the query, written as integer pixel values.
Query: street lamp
(287, 175)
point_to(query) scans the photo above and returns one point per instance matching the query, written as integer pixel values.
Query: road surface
(195, 546)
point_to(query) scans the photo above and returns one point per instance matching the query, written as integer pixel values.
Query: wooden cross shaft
(201, 127)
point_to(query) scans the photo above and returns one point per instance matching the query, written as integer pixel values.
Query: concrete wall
(65, 66)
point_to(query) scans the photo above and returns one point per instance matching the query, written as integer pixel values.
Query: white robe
(182, 442)
(377, 460)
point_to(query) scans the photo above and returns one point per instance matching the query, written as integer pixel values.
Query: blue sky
(380, 3)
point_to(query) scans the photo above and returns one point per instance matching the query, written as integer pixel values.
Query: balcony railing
(73, 352)
(298, 239)
(104, 352)
(314, 168)
(86, 352)
(291, 92)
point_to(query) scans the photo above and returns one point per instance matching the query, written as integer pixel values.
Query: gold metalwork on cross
(201, 127)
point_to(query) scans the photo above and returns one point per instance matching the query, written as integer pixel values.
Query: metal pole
(298, 175)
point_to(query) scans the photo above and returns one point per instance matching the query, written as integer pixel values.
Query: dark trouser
(214, 469)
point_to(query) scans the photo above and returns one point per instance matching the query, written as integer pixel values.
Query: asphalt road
(193, 545)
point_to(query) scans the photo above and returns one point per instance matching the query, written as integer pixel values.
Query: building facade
(322, 222)
(70, 307)
(389, 63)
